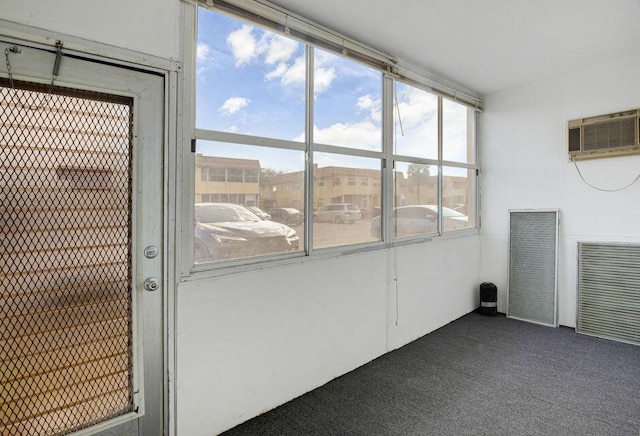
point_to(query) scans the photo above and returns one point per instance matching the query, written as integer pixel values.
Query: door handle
(151, 284)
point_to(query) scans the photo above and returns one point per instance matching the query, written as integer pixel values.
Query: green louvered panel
(609, 291)
(533, 244)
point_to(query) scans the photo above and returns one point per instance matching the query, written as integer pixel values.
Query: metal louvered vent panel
(610, 134)
(609, 291)
(574, 139)
(65, 286)
(532, 266)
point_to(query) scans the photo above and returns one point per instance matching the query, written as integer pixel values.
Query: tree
(418, 170)
(266, 175)
(418, 174)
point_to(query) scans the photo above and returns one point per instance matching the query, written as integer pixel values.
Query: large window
(459, 170)
(291, 155)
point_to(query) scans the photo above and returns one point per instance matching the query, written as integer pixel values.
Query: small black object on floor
(488, 299)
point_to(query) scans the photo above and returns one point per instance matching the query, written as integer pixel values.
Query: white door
(81, 223)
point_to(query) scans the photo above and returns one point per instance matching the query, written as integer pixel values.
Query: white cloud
(202, 52)
(243, 45)
(233, 105)
(276, 48)
(416, 106)
(323, 77)
(296, 73)
(202, 56)
(361, 135)
(367, 102)
(290, 75)
(280, 70)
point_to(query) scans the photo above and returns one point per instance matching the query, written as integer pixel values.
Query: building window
(217, 174)
(251, 176)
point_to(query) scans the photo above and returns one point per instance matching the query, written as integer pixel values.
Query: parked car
(230, 231)
(259, 212)
(420, 219)
(287, 215)
(338, 213)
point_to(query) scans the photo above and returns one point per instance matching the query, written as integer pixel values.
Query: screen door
(81, 231)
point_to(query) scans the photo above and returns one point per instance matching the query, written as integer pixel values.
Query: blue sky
(251, 81)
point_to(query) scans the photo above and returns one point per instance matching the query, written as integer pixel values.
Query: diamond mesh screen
(65, 284)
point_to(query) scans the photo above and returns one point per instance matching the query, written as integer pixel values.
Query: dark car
(229, 231)
(420, 219)
(286, 215)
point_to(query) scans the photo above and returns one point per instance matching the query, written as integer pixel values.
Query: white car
(421, 219)
(337, 213)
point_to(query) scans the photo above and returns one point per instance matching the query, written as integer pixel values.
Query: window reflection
(415, 115)
(343, 212)
(248, 201)
(249, 80)
(458, 198)
(415, 200)
(347, 103)
(458, 143)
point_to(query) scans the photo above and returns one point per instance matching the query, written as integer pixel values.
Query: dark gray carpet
(476, 376)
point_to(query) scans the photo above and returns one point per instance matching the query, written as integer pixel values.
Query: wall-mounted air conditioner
(608, 135)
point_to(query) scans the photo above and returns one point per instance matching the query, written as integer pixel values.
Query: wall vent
(610, 135)
(609, 291)
(533, 248)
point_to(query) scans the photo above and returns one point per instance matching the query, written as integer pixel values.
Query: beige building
(242, 181)
(227, 180)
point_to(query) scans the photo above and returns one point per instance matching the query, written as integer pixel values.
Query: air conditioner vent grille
(610, 134)
(605, 135)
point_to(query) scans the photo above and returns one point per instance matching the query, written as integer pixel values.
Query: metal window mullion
(417, 160)
(336, 149)
(440, 170)
(237, 138)
(451, 164)
(388, 189)
(476, 150)
(309, 158)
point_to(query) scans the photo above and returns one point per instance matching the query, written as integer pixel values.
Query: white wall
(247, 343)
(525, 165)
(113, 22)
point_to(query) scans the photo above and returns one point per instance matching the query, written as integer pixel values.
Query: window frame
(386, 156)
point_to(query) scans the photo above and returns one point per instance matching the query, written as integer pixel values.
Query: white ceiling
(486, 45)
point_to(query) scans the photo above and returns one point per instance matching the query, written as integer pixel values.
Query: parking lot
(332, 234)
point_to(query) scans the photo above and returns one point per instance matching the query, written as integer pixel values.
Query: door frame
(169, 71)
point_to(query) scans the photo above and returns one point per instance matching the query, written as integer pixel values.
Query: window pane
(415, 115)
(343, 211)
(251, 204)
(416, 199)
(248, 80)
(458, 198)
(458, 142)
(347, 103)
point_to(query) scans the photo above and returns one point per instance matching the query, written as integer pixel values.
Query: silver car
(337, 213)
